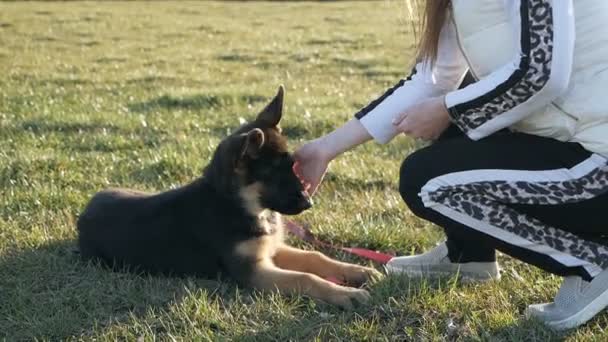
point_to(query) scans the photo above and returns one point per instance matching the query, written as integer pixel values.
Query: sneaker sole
(582, 316)
(465, 276)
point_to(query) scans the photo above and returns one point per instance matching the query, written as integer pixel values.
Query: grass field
(137, 95)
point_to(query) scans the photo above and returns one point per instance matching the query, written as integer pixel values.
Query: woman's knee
(412, 177)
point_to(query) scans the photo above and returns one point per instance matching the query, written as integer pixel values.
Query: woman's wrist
(344, 138)
(326, 152)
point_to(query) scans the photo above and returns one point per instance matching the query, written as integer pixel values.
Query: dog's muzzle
(305, 201)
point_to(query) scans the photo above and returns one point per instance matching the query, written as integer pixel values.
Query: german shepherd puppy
(226, 222)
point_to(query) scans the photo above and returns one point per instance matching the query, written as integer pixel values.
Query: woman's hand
(311, 164)
(425, 120)
(313, 158)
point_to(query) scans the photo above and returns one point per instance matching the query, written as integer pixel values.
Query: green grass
(137, 95)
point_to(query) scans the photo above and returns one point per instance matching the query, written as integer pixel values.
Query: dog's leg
(290, 258)
(267, 276)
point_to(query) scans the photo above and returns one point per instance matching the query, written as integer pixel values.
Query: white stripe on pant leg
(558, 175)
(516, 240)
(595, 163)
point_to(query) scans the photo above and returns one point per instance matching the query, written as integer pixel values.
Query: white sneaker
(436, 263)
(576, 302)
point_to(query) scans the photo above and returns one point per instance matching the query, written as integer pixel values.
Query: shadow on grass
(350, 183)
(92, 137)
(307, 326)
(453, 325)
(20, 169)
(321, 321)
(142, 81)
(42, 127)
(110, 60)
(388, 315)
(523, 330)
(309, 131)
(195, 102)
(354, 63)
(63, 82)
(331, 42)
(293, 131)
(49, 293)
(44, 39)
(163, 172)
(209, 29)
(236, 57)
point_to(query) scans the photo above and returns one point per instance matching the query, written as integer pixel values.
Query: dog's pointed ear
(271, 115)
(252, 143)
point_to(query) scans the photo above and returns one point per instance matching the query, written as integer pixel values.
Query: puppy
(227, 222)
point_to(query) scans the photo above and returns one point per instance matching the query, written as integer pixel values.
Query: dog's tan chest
(264, 246)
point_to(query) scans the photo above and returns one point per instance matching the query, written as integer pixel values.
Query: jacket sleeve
(539, 72)
(424, 82)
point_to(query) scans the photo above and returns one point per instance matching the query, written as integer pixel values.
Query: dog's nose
(306, 201)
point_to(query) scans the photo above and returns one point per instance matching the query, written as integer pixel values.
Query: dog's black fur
(225, 222)
(193, 230)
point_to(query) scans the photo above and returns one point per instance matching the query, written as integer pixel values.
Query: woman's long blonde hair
(430, 15)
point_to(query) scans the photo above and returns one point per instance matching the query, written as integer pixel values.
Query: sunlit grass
(138, 95)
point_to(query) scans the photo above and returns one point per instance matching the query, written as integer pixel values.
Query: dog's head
(254, 162)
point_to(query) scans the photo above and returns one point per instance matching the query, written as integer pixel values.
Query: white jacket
(541, 68)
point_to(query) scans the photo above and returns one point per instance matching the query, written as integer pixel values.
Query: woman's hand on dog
(311, 165)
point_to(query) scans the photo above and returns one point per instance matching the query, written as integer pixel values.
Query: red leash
(306, 235)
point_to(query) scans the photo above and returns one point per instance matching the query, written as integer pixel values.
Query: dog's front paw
(347, 297)
(355, 275)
